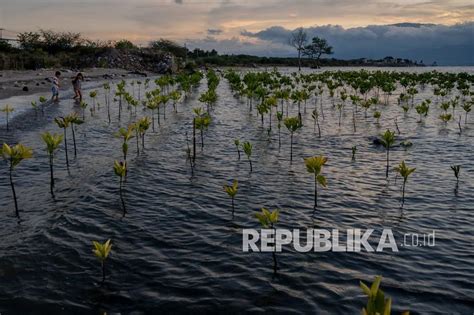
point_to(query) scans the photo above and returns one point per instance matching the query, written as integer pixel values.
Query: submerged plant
(268, 220)
(52, 142)
(314, 166)
(247, 147)
(388, 139)
(231, 190)
(120, 169)
(404, 171)
(7, 109)
(102, 252)
(292, 124)
(14, 155)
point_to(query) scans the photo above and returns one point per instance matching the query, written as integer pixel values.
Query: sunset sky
(234, 26)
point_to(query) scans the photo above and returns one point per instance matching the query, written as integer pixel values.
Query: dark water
(178, 249)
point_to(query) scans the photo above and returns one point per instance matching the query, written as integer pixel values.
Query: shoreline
(13, 82)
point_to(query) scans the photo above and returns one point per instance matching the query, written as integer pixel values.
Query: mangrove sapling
(120, 169)
(247, 147)
(152, 105)
(292, 124)
(268, 220)
(63, 122)
(14, 155)
(354, 151)
(387, 140)
(74, 120)
(445, 118)
(404, 172)
(237, 145)
(126, 135)
(52, 142)
(314, 166)
(102, 251)
(231, 190)
(7, 109)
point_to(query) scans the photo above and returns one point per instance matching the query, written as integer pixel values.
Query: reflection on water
(178, 248)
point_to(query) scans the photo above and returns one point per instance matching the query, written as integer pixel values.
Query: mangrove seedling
(445, 118)
(63, 122)
(120, 169)
(247, 147)
(102, 251)
(43, 101)
(268, 220)
(231, 190)
(52, 142)
(237, 145)
(14, 155)
(388, 139)
(315, 116)
(83, 106)
(7, 110)
(354, 150)
(74, 119)
(377, 116)
(126, 135)
(404, 172)
(314, 166)
(377, 304)
(456, 169)
(93, 96)
(467, 108)
(143, 125)
(34, 104)
(280, 119)
(292, 124)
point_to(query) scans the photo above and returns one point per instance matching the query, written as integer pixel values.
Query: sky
(438, 30)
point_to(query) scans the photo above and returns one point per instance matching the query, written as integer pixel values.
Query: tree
(298, 40)
(317, 48)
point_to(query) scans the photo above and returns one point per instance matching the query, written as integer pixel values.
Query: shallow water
(178, 248)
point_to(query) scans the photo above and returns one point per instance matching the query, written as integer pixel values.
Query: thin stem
(13, 189)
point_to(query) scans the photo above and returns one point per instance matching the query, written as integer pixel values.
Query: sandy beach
(18, 83)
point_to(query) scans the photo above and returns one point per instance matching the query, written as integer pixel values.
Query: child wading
(55, 87)
(77, 85)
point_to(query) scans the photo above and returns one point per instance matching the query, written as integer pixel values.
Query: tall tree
(317, 48)
(298, 40)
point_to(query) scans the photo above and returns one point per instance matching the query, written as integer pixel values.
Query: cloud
(211, 31)
(449, 45)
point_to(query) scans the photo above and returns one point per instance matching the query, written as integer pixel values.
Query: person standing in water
(55, 87)
(77, 86)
